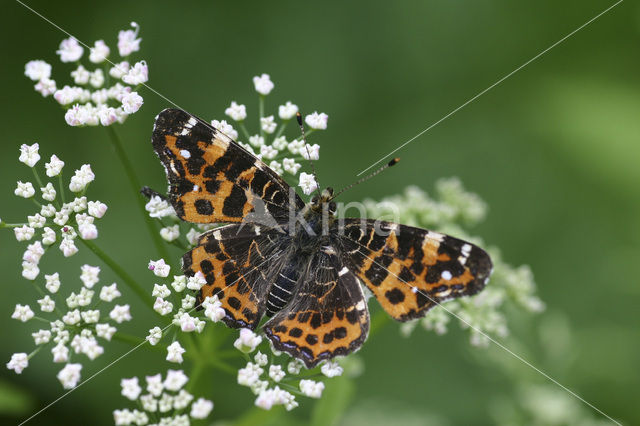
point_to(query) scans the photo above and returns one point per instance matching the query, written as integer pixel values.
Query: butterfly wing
(327, 316)
(212, 178)
(410, 270)
(238, 263)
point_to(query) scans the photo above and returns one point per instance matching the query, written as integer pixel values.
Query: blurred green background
(554, 150)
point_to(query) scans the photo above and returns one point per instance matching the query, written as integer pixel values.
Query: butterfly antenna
(386, 166)
(306, 146)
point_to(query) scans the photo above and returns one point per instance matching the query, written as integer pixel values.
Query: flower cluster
(164, 401)
(74, 323)
(450, 211)
(56, 221)
(102, 93)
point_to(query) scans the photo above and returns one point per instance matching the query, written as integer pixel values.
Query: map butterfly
(304, 275)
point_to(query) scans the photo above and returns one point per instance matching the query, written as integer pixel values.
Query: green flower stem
(261, 108)
(245, 132)
(61, 186)
(195, 373)
(135, 187)
(128, 280)
(35, 351)
(281, 129)
(37, 176)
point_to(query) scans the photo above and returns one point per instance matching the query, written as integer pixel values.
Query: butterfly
(296, 263)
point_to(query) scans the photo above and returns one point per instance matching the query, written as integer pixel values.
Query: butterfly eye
(314, 200)
(330, 190)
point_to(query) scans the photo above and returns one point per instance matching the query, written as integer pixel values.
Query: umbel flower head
(104, 90)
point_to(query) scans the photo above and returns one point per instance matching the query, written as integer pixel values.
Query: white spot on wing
(195, 188)
(435, 236)
(217, 235)
(343, 271)
(185, 153)
(446, 275)
(192, 122)
(256, 229)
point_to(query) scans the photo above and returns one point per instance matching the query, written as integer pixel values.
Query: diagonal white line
(494, 85)
(500, 345)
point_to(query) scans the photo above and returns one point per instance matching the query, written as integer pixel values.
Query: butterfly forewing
(410, 270)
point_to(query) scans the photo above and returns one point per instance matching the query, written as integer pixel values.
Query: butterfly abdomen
(282, 289)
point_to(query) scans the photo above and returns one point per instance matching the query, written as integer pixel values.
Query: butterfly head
(318, 203)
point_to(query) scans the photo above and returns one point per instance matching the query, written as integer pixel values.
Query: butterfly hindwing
(211, 177)
(410, 270)
(327, 315)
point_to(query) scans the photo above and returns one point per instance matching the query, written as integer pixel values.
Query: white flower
(155, 334)
(159, 268)
(70, 50)
(47, 304)
(174, 353)
(170, 233)
(158, 208)
(188, 302)
(69, 376)
(45, 87)
(131, 102)
(236, 112)
(97, 78)
(97, 209)
(307, 183)
(187, 322)
(261, 359)
(54, 166)
(91, 316)
(163, 307)
(120, 313)
(24, 190)
(256, 140)
(24, 233)
(127, 41)
(249, 375)
(33, 253)
(179, 283)
(41, 337)
(37, 70)
(30, 270)
(106, 331)
(99, 52)
(276, 396)
(29, 154)
(81, 178)
(331, 369)
(107, 115)
(123, 417)
(88, 231)
(311, 388)
(201, 408)
(311, 152)
(22, 313)
(248, 341)
(294, 366)
(119, 70)
(48, 192)
(48, 236)
(68, 247)
(317, 121)
(213, 308)
(138, 74)
(154, 384)
(267, 124)
(196, 282)
(276, 167)
(276, 373)
(268, 152)
(175, 380)
(80, 76)
(72, 317)
(287, 111)
(18, 362)
(149, 403)
(263, 84)
(160, 291)
(192, 236)
(52, 282)
(182, 400)
(225, 128)
(130, 388)
(60, 353)
(295, 146)
(89, 275)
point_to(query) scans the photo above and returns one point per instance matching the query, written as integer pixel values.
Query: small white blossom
(41, 337)
(30, 270)
(36, 221)
(276, 373)
(131, 102)
(187, 322)
(69, 376)
(268, 124)
(331, 369)
(72, 317)
(295, 366)
(201, 408)
(263, 84)
(37, 70)
(130, 388)
(89, 275)
(311, 152)
(54, 166)
(22, 313)
(18, 362)
(287, 111)
(155, 386)
(106, 331)
(97, 209)
(48, 210)
(174, 353)
(81, 178)
(225, 128)
(119, 70)
(280, 143)
(170, 233)
(24, 233)
(29, 154)
(248, 341)
(127, 41)
(107, 115)
(268, 152)
(80, 76)
(158, 208)
(46, 87)
(256, 140)
(52, 282)
(149, 403)
(24, 189)
(163, 307)
(47, 304)
(236, 112)
(213, 308)
(159, 268)
(48, 236)
(60, 353)
(137, 74)
(97, 78)
(307, 183)
(123, 417)
(188, 302)
(175, 380)
(70, 50)
(295, 146)
(276, 396)
(261, 359)
(68, 247)
(311, 388)
(155, 334)
(276, 167)
(91, 316)
(67, 95)
(317, 121)
(160, 291)
(99, 52)
(120, 313)
(179, 283)
(196, 282)
(193, 236)
(61, 217)
(182, 400)
(33, 253)
(249, 375)
(109, 293)
(48, 192)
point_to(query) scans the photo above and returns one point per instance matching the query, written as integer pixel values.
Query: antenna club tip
(394, 161)
(299, 118)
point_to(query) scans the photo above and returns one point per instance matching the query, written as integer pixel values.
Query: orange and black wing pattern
(238, 263)
(410, 270)
(212, 179)
(327, 315)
